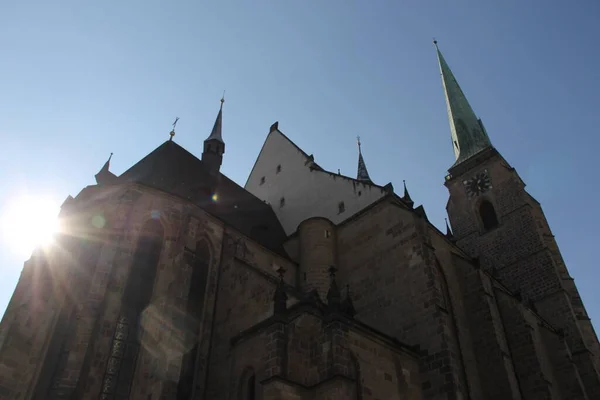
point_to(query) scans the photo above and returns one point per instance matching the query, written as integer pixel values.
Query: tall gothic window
(136, 297)
(195, 302)
(247, 388)
(488, 215)
(251, 388)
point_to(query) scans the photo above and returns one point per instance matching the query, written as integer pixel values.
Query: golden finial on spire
(172, 133)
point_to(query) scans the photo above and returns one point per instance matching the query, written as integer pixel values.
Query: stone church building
(173, 282)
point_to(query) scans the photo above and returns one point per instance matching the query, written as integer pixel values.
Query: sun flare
(28, 222)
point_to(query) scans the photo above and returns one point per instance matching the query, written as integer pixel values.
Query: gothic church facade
(173, 282)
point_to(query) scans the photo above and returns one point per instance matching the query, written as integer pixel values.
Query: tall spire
(468, 134)
(362, 174)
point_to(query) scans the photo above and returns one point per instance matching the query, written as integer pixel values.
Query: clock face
(478, 184)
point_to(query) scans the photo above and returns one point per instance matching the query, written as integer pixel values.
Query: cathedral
(171, 281)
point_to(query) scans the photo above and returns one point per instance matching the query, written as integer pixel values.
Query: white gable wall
(307, 193)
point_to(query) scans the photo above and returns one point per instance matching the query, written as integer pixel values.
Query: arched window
(195, 302)
(247, 386)
(488, 215)
(251, 388)
(136, 297)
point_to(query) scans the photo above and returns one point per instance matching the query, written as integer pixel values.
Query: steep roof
(174, 170)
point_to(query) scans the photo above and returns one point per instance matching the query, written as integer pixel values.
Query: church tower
(497, 222)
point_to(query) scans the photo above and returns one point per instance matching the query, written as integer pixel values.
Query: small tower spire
(468, 134)
(406, 196)
(214, 146)
(362, 174)
(104, 176)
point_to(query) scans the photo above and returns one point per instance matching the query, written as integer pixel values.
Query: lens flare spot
(98, 221)
(167, 332)
(215, 197)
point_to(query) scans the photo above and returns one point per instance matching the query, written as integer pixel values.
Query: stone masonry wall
(387, 259)
(245, 297)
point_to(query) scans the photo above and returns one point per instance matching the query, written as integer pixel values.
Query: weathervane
(358, 140)
(172, 133)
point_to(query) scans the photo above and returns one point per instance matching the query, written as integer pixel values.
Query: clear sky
(81, 79)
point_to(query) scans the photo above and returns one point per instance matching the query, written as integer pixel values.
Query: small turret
(214, 147)
(104, 176)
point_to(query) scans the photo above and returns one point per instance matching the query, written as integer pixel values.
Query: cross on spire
(172, 133)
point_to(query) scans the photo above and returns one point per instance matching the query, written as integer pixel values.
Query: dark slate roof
(174, 170)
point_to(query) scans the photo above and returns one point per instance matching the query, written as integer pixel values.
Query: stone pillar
(565, 372)
(276, 361)
(535, 377)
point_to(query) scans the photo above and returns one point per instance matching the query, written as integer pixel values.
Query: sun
(28, 222)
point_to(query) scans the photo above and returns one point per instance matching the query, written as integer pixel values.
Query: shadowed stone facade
(170, 281)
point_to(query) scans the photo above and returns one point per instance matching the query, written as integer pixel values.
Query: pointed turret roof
(106, 166)
(104, 175)
(362, 174)
(215, 134)
(468, 134)
(406, 196)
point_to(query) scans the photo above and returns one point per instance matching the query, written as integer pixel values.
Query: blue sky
(82, 79)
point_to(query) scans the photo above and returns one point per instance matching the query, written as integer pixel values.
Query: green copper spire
(468, 134)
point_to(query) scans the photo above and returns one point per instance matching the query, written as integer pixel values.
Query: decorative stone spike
(347, 305)
(406, 196)
(333, 294)
(280, 296)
